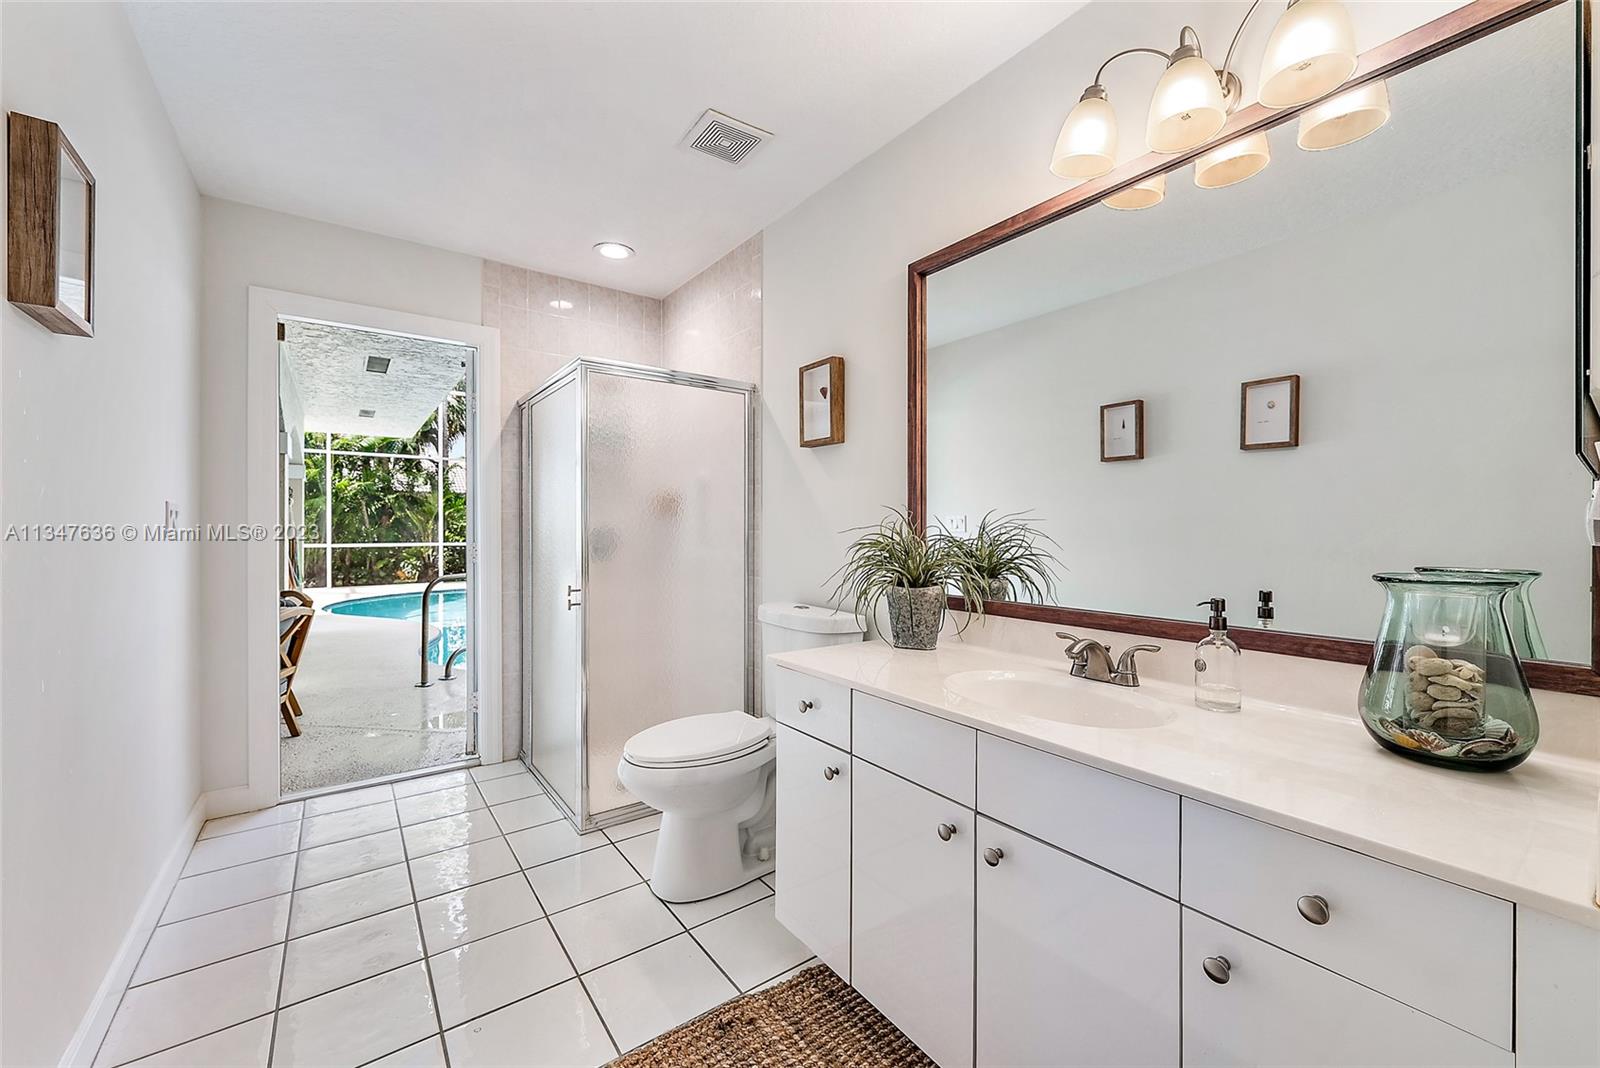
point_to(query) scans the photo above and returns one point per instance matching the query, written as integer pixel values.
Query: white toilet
(713, 776)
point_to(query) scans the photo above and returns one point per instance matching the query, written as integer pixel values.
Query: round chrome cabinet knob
(805, 706)
(993, 855)
(1217, 969)
(947, 831)
(829, 773)
(1314, 907)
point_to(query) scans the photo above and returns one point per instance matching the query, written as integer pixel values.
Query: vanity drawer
(815, 706)
(1122, 825)
(1439, 947)
(929, 751)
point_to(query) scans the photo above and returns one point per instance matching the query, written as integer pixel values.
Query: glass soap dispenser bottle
(1216, 663)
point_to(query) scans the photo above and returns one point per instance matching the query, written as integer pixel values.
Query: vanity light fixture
(1146, 194)
(1348, 117)
(1189, 106)
(1311, 52)
(1232, 162)
(613, 250)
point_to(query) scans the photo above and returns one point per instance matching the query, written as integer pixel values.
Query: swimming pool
(448, 611)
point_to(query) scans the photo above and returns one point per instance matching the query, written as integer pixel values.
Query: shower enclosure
(636, 549)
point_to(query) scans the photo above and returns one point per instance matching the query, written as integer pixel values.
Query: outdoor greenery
(1006, 553)
(893, 552)
(387, 498)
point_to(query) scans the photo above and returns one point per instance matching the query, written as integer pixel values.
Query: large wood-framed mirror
(1421, 297)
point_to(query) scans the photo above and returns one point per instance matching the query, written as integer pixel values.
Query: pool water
(448, 611)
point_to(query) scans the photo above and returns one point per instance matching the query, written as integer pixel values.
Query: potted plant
(894, 561)
(1007, 555)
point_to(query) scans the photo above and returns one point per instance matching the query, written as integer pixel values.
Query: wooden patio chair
(295, 613)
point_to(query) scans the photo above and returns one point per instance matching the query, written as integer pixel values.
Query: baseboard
(97, 1019)
(236, 799)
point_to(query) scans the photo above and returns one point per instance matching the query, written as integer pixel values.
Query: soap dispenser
(1216, 663)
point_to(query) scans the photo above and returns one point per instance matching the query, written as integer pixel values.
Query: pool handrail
(423, 680)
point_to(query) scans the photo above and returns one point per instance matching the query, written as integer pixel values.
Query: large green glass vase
(1525, 635)
(1445, 683)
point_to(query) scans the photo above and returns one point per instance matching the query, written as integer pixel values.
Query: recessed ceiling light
(367, 413)
(561, 305)
(613, 250)
(378, 365)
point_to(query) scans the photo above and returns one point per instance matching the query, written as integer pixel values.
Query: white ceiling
(526, 132)
(329, 365)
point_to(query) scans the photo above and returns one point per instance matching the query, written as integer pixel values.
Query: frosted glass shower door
(551, 619)
(665, 613)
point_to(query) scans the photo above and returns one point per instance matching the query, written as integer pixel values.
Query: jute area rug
(812, 1019)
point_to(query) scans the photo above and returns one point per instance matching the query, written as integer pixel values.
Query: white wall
(101, 764)
(1435, 428)
(835, 267)
(246, 246)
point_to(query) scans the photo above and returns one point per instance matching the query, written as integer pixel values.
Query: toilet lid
(697, 739)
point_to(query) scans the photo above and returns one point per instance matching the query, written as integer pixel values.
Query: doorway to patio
(376, 445)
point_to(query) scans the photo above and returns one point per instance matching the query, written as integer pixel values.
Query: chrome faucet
(1092, 661)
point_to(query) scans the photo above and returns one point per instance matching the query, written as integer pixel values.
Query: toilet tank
(786, 628)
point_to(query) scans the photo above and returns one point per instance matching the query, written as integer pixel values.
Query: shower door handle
(574, 591)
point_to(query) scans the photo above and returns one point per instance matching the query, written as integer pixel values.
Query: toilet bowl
(711, 778)
(714, 776)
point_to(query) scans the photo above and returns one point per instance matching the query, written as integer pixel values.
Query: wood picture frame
(1471, 22)
(1133, 451)
(1288, 436)
(822, 402)
(49, 231)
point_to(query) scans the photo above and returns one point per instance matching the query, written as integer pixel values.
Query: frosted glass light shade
(1241, 158)
(1345, 118)
(1187, 108)
(1311, 51)
(1087, 146)
(1147, 194)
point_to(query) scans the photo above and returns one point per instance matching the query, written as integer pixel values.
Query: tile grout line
(283, 961)
(422, 939)
(714, 962)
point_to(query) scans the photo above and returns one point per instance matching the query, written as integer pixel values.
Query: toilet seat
(712, 737)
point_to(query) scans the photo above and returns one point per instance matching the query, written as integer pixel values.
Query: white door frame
(261, 513)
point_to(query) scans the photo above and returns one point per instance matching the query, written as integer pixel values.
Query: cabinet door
(814, 846)
(1076, 966)
(911, 930)
(1275, 1008)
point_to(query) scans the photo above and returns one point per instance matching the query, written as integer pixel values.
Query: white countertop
(1530, 835)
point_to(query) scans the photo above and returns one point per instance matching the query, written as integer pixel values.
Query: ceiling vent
(368, 413)
(378, 365)
(725, 137)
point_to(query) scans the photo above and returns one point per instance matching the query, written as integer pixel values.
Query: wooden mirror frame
(1445, 34)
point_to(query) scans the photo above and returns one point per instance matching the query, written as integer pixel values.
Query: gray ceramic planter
(915, 615)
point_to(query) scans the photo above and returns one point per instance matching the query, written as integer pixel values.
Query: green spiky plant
(894, 553)
(1007, 552)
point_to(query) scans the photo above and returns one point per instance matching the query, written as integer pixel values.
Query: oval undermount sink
(1055, 695)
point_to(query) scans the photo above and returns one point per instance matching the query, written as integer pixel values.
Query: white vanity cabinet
(814, 842)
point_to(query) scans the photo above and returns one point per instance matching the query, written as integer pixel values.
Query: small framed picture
(1122, 431)
(822, 402)
(1269, 413)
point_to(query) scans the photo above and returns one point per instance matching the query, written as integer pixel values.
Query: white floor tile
(634, 828)
(357, 1023)
(438, 835)
(351, 823)
(551, 841)
(482, 976)
(370, 795)
(178, 947)
(250, 821)
(342, 955)
(694, 913)
(329, 904)
(656, 989)
(526, 812)
(440, 873)
(641, 851)
(751, 945)
(327, 863)
(242, 848)
(245, 1045)
(464, 915)
(496, 771)
(571, 1035)
(229, 887)
(177, 1009)
(509, 788)
(429, 1053)
(790, 974)
(573, 880)
(429, 783)
(439, 803)
(771, 879)
(613, 926)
